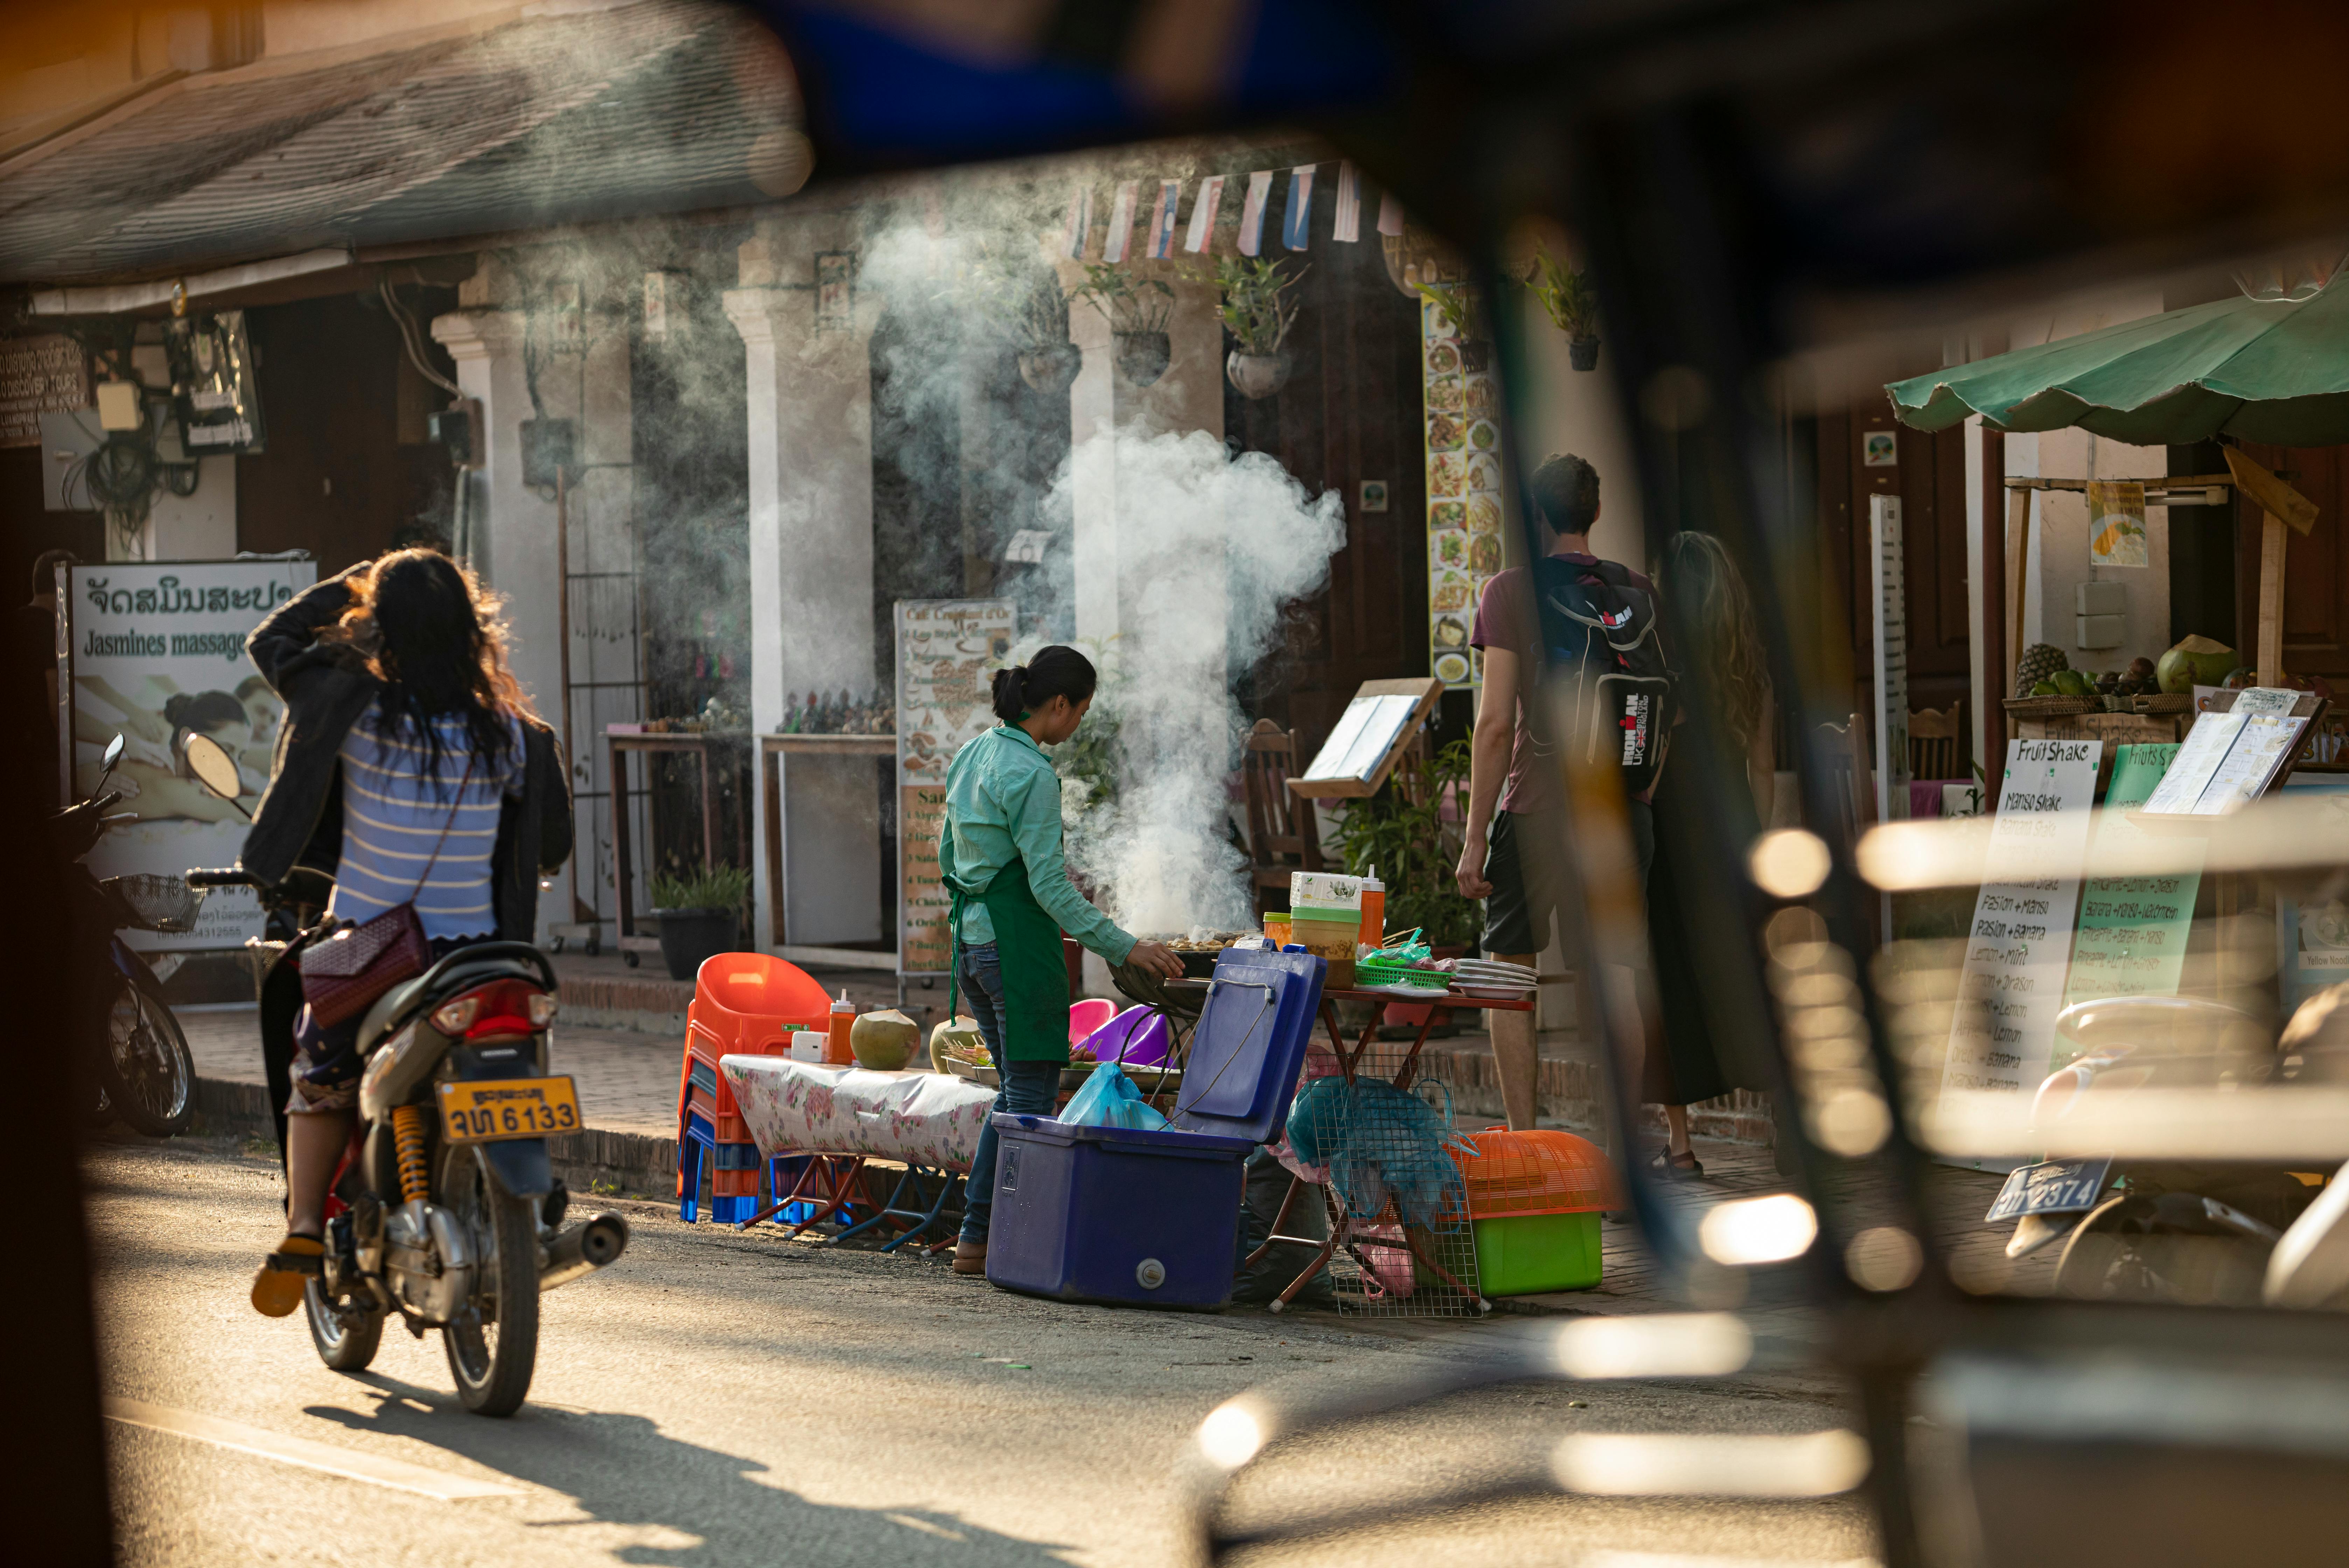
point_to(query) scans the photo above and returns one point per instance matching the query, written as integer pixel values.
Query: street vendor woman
(1002, 860)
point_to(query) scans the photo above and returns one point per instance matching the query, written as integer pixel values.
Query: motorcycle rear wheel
(342, 1345)
(146, 1069)
(493, 1354)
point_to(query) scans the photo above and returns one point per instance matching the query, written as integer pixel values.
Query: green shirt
(1003, 803)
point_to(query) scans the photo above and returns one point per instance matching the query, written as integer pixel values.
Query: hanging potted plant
(1573, 305)
(1137, 310)
(1023, 301)
(1258, 310)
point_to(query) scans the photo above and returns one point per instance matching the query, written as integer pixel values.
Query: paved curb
(593, 1160)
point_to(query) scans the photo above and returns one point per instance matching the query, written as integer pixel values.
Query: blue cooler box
(1103, 1213)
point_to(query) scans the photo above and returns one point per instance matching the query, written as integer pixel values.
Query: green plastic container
(1522, 1254)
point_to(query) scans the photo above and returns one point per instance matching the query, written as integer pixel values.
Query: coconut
(955, 1037)
(2196, 661)
(883, 1041)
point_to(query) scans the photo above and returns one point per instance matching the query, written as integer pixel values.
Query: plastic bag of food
(1109, 1099)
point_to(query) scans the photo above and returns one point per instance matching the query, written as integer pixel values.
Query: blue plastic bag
(1110, 1099)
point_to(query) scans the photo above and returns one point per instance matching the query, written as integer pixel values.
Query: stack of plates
(1488, 977)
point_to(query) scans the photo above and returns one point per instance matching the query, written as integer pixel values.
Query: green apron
(1035, 973)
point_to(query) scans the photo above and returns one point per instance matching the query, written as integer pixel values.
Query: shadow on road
(621, 1469)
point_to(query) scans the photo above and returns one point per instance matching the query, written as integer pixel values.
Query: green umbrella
(2268, 370)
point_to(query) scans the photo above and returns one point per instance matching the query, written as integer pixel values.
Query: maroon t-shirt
(1506, 619)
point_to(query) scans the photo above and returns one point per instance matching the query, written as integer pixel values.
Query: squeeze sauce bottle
(836, 1049)
(1374, 909)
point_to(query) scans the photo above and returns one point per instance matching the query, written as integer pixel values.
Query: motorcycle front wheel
(493, 1346)
(146, 1069)
(346, 1338)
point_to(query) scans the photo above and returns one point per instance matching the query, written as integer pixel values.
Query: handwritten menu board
(2016, 952)
(1891, 598)
(1463, 490)
(947, 652)
(2133, 930)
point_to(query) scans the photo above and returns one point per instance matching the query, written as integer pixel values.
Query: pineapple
(2040, 662)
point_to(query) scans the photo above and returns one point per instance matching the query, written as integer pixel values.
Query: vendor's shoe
(277, 1287)
(971, 1257)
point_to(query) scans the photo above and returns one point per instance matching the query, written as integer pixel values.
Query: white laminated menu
(2229, 758)
(2205, 747)
(2258, 752)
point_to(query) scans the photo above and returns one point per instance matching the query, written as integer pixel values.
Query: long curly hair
(437, 640)
(1717, 614)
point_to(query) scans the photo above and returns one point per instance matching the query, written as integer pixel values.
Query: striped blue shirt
(393, 814)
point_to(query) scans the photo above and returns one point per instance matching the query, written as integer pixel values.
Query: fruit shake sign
(154, 652)
(2021, 942)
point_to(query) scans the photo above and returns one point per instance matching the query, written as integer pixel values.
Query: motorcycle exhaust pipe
(582, 1248)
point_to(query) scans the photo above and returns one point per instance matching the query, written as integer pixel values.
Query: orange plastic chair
(744, 1003)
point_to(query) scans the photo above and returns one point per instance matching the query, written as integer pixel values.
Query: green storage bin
(1521, 1254)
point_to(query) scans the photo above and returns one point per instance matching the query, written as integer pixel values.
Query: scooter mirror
(213, 766)
(113, 755)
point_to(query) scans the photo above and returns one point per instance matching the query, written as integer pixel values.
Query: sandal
(1683, 1166)
(277, 1286)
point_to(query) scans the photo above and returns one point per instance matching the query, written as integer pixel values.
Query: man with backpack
(1593, 626)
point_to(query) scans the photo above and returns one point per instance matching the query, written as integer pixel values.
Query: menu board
(2229, 758)
(45, 375)
(1463, 490)
(1891, 616)
(947, 653)
(2017, 949)
(2133, 930)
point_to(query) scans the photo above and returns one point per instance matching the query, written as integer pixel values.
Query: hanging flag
(1202, 213)
(1120, 220)
(1080, 223)
(1349, 224)
(1300, 207)
(1389, 213)
(1252, 212)
(1162, 220)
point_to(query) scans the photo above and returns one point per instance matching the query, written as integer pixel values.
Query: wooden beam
(2018, 571)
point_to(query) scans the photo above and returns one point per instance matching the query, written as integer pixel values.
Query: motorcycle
(2192, 1232)
(444, 1211)
(144, 1072)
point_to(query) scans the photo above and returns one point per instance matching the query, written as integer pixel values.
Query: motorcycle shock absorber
(407, 1136)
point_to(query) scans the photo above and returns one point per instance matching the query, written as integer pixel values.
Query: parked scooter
(2160, 1230)
(444, 1211)
(144, 1073)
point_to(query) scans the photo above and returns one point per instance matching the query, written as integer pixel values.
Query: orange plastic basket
(1539, 1172)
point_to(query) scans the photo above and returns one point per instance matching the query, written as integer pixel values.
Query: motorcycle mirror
(211, 766)
(113, 755)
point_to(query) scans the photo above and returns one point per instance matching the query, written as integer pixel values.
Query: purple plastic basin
(1137, 1037)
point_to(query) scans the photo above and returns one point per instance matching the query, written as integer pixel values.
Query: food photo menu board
(947, 652)
(1464, 488)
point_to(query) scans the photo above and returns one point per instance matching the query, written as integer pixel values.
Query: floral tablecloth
(803, 1108)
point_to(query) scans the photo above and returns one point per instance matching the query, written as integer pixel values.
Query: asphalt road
(718, 1400)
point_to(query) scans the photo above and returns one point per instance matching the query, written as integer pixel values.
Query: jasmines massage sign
(155, 652)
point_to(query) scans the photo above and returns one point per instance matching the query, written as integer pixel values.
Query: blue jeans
(1029, 1089)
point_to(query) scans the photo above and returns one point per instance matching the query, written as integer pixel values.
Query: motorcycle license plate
(2057, 1187)
(488, 1110)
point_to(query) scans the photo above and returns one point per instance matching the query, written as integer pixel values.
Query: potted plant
(1137, 310)
(1259, 309)
(699, 913)
(1572, 304)
(1022, 300)
(1458, 304)
(1411, 831)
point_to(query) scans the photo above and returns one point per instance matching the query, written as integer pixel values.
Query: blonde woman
(1724, 666)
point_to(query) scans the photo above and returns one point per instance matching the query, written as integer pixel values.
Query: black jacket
(325, 688)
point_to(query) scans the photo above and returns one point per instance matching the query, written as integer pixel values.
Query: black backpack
(1606, 684)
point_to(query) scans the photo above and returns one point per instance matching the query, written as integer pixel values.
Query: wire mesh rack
(1382, 1158)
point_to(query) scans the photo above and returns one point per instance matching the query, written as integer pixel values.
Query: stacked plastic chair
(744, 1003)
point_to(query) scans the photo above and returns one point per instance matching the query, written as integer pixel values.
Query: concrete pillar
(513, 537)
(809, 406)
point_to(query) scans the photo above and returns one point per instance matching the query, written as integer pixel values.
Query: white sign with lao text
(2020, 941)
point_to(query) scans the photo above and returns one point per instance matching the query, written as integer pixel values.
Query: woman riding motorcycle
(411, 767)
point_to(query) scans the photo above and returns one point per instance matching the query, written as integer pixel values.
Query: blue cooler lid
(1250, 1044)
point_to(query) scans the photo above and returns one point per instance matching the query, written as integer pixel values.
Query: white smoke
(1208, 549)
